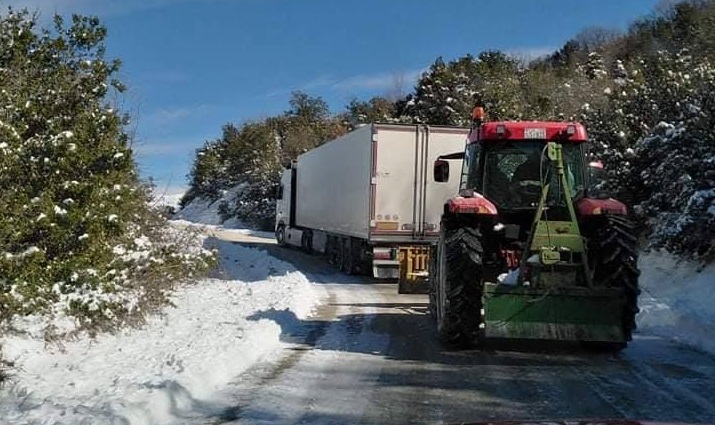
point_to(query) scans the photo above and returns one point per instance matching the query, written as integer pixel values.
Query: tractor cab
(506, 162)
(511, 173)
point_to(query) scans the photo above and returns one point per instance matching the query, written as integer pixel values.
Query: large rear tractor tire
(456, 290)
(614, 257)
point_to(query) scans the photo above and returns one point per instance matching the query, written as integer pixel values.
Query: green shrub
(78, 234)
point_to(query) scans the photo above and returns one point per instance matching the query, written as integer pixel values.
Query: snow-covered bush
(677, 167)
(643, 93)
(78, 235)
(253, 203)
(655, 136)
(242, 168)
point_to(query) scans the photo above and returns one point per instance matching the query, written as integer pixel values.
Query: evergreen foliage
(78, 234)
(243, 167)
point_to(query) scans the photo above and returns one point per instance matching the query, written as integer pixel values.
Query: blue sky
(194, 65)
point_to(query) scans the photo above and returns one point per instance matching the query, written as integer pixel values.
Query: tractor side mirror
(441, 171)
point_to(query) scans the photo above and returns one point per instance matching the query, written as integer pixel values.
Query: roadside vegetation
(645, 96)
(80, 241)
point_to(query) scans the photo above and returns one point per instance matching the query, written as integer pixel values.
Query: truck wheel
(306, 241)
(614, 261)
(281, 235)
(348, 256)
(343, 252)
(459, 287)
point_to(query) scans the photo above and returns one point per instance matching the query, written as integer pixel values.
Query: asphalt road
(371, 356)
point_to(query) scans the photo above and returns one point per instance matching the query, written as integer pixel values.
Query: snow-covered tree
(377, 109)
(676, 167)
(77, 232)
(243, 165)
(444, 95)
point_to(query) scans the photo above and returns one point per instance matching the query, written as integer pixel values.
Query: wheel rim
(281, 235)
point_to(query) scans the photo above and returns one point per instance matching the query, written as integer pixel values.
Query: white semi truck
(367, 200)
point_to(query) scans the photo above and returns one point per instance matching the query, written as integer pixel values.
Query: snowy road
(370, 356)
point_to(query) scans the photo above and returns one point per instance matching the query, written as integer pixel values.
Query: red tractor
(526, 251)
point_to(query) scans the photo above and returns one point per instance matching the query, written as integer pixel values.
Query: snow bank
(168, 196)
(205, 211)
(173, 366)
(200, 210)
(677, 300)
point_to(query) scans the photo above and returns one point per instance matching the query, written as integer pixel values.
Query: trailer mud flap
(414, 270)
(557, 314)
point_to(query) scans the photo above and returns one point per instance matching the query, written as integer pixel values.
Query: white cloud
(321, 81)
(165, 118)
(395, 80)
(384, 81)
(168, 147)
(527, 54)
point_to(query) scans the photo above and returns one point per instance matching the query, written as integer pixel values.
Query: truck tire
(614, 260)
(340, 254)
(306, 241)
(281, 235)
(459, 287)
(349, 256)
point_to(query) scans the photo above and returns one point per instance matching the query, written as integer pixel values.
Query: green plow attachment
(557, 314)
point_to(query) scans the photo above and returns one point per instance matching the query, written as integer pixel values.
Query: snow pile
(200, 210)
(168, 197)
(677, 299)
(209, 211)
(171, 367)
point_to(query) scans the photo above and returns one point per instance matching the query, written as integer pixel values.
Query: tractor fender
(476, 204)
(591, 207)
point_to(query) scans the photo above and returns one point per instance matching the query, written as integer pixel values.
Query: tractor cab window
(574, 161)
(470, 167)
(597, 179)
(514, 172)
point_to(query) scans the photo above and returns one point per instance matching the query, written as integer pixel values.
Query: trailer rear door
(406, 202)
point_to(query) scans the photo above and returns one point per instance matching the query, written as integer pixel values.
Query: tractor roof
(530, 130)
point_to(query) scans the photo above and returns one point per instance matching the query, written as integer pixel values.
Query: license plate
(535, 133)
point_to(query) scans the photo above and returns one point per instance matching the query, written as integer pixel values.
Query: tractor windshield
(512, 173)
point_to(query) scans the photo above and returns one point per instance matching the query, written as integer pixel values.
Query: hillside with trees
(645, 96)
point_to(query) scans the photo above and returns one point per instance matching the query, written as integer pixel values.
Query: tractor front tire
(458, 287)
(615, 263)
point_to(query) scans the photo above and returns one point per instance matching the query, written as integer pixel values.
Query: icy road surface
(267, 342)
(370, 356)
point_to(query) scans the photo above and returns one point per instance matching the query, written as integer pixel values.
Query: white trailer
(368, 200)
